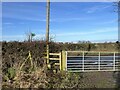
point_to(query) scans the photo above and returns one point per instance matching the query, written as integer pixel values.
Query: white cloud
(20, 36)
(69, 35)
(70, 19)
(37, 17)
(8, 23)
(44, 20)
(21, 16)
(97, 8)
(112, 21)
(88, 33)
(108, 22)
(12, 36)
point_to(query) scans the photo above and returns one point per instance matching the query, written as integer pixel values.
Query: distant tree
(52, 38)
(84, 42)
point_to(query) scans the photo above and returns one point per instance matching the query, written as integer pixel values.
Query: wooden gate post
(60, 61)
(63, 61)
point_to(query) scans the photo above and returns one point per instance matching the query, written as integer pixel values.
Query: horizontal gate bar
(93, 51)
(91, 56)
(91, 70)
(54, 54)
(54, 58)
(92, 60)
(57, 63)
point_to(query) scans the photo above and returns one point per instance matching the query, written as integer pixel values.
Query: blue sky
(68, 21)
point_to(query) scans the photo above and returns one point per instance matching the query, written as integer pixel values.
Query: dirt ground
(99, 80)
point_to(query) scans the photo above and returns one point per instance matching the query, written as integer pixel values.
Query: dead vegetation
(15, 53)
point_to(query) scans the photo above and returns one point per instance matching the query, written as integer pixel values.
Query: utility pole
(47, 29)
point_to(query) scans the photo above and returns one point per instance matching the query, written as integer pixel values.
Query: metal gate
(87, 61)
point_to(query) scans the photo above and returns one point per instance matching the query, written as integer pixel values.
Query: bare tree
(30, 36)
